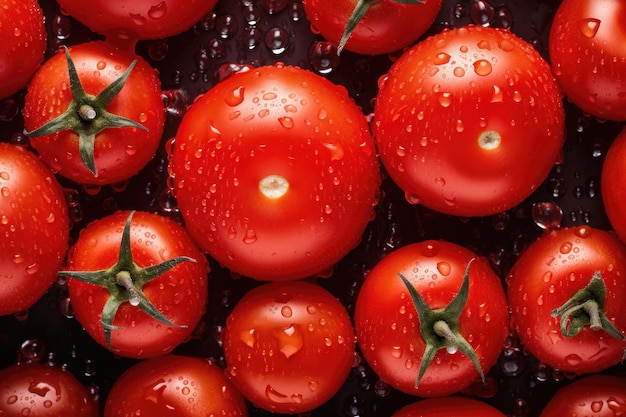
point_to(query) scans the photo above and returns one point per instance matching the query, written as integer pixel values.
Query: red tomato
(397, 342)
(34, 228)
(613, 185)
(139, 283)
(470, 121)
(38, 390)
(24, 33)
(587, 49)
(449, 406)
(552, 271)
(83, 147)
(174, 386)
(275, 173)
(289, 346)
(595, 395)
(374, 27)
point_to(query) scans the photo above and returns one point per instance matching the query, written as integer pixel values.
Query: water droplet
(276, 40)
(235, 97)
(323, 57)
(441, 58)
(589, 27)
(286, 122)
(248, 337)
(286, 311)
(482, 67)
(158, 11)
(547, 215)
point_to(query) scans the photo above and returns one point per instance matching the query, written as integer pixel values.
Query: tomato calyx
(87, 115)
(125, 281)
(440, 328)
(359, 11)
(586, 308)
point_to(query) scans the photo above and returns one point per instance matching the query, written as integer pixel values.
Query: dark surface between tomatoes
(189, 64)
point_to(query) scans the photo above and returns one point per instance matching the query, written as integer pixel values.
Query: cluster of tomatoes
(342, 219)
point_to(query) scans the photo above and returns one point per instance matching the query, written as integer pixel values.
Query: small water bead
(547, 215)
(31, 350)
(323, 57)
(252, 37)
(9, 109)
(226, 26)
(481, 12)
(251, 13)
(589, 27)
(61, 27)
(216, 48)
(277, 40)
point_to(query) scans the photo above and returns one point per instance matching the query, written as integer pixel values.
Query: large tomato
(275, 173)
(470, 121)
(174, 386)
(94, 114)
(566, 293)
(430, 319)
(34, 228)
(24, 33)
(613, 184)
(449, 406)
(587, 47)
(289, 346)
(371, 27)
(138, 283)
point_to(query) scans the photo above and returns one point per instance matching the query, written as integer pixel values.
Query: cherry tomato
(566, 295)
(371, 27)
(470, 121)
(289, 346)
(87, 125)
(174, 386)
(34, 228)
(39, 390)
(138, 283)
(612, 183)
(275, 173)
(449, 406)
(24, 33)
(587, 51)
(442, 339)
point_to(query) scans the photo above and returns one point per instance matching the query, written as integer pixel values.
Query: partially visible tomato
(275, 173)
(450, 342)
(40, 390)
(371, 27)
(174, 386)
(448, 407)
(566, 292)
(613, 184)
(289, 346)
(469, 121)
(587, 48)
(34, 228)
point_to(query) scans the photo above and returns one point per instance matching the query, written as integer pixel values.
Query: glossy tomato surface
(449, 406)
(614, 185)
(550, 272)
(470, 121)
(594, 30)
(275, 173)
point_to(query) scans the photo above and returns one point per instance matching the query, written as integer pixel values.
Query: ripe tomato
(174, 386)
(371, 27)
(275, 173)
(417, 353)
(612, 183)
(594, 395)
(550, 273)
(449, 406)
(24, 33)
(587, 51)
(34, 228)
(33, 389)
(87, 125)
(470, 121)
(289, 346)
(139, 283)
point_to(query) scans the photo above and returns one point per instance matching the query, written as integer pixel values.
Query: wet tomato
(566, 295)
(289, 346)
(613, 184)
(449, 406)
(34, 228)
(470, 121)
(138, 283)
(431, 318)
(275, 173)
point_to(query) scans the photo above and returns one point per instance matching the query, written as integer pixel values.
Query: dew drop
(441, 58)
(235, 97)
(482, 67)
(158, 11)
(589, 27)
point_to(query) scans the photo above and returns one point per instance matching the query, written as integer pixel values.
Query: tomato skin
(301, 340)
(180, 294)
(594, 30)
(387, 325)
(548, 273)
(442, 107)
(40, 390)
(451, 406)
(387, 26)
(22, 26)
(275, 121)
(34, 229)
(596, 395)
(174, 386)
(612, 180)
(120, 153)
